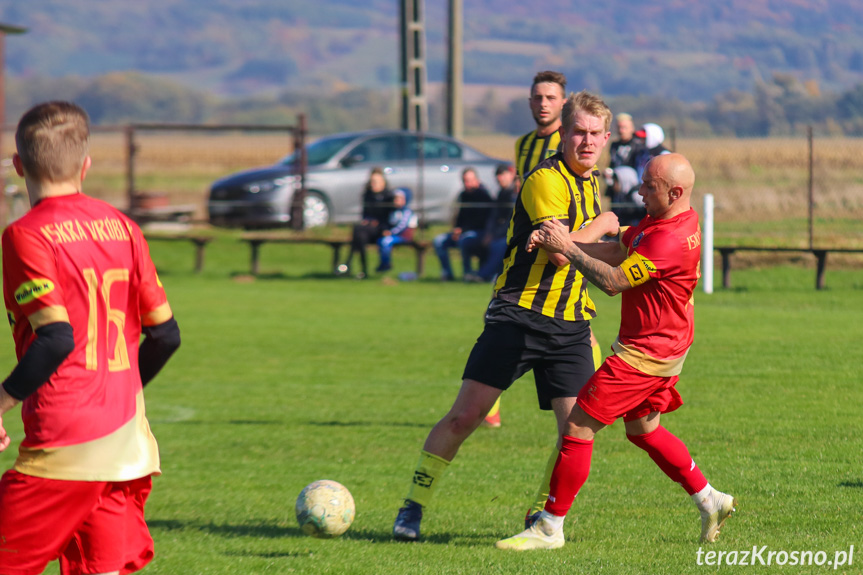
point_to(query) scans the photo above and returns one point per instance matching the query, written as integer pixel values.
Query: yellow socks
(495, 409)
(545, 486)
(597, 356)
(430, 468)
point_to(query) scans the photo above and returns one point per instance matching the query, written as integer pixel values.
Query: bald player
(655, 268)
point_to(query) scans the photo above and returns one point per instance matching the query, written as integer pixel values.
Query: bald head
(677, 171)
(667, 185)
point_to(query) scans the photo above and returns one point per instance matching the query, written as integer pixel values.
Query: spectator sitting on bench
(475, 205)
(492, 247)
(400, 228)
(377, 203)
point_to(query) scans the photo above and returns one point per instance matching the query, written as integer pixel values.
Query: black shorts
(515, 341)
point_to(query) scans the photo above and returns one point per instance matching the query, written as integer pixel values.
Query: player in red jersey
(656, 268)
(80, 289)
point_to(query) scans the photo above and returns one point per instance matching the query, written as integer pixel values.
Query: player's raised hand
(608, 223)
(532, 241)
(553, 236)
(5, 440)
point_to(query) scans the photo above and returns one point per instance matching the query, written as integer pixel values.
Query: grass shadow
(264, 529)
(327, 276)
(369, 424)
(386, 536)
(858, 484)
(245, 277)
(268, 555)
(281, 276)
(267, 530)
(166, 524)
(255, 422)
(733, 289)
(270, 530)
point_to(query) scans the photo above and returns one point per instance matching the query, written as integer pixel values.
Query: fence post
(298, 201)
(421, 197)
(811, 187)
(131, 149)
(707, 245)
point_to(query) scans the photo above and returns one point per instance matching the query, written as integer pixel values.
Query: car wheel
(316, 210)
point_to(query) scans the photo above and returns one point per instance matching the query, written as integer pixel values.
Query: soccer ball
(325, 509)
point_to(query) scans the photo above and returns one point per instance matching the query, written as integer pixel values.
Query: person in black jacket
(625, 150)
(491, 246)
(377, 205)
(475, 205)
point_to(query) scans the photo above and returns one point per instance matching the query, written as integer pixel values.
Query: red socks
(570, 473)
(671, 455)
(573, 466)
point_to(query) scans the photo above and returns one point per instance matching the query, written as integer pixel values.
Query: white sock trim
(556, 521)
(701, 495)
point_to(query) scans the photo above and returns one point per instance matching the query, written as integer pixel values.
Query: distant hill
(675, 49)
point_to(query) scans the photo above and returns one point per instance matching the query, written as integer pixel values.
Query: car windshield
(320, 151)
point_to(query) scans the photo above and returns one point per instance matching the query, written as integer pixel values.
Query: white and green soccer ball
(325, 509)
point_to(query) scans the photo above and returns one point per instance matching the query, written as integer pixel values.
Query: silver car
(337, 172)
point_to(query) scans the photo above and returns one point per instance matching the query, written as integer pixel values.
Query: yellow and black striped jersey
(551, 190)
(531, 149)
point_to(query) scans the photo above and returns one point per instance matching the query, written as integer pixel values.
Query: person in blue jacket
(399, 228)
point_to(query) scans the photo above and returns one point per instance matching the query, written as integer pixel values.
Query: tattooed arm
(554, 238)
(605, 224)
(610, 280)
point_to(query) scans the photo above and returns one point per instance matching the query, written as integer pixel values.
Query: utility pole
(4, 30)
(455, 70)
(413, 65)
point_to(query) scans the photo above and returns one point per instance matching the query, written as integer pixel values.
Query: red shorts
(619, 390)
(90, 526)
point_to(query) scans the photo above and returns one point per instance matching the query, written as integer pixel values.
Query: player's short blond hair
(588, 103)
(53, 140)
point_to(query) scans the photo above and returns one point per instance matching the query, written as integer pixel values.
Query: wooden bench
(170, 213)
(819, 253)
(199, 241)
(256, 240)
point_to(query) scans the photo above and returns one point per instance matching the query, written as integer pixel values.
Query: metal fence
(793, 192)
(139, 167)
(804, 192)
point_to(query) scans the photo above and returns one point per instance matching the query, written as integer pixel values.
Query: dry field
(179, 164)
(762, 178)
(760, 186)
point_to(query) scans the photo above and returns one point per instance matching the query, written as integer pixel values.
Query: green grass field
(298, 376)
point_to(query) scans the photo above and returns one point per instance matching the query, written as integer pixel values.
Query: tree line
(780, 106)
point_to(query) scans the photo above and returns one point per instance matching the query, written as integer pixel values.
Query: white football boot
(715, 509)
(540, 535)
